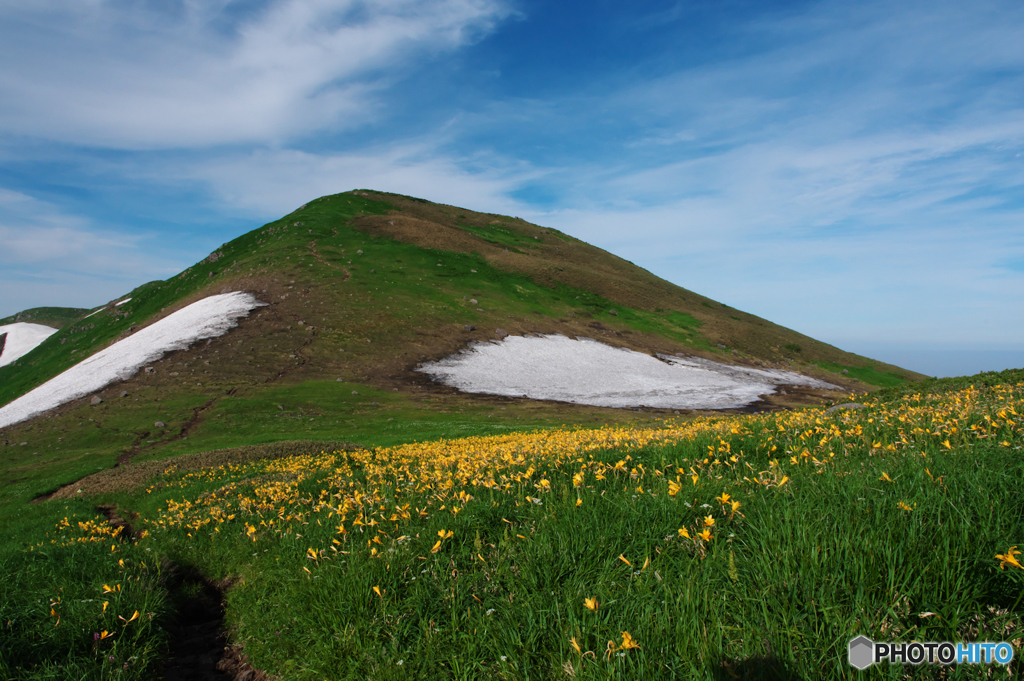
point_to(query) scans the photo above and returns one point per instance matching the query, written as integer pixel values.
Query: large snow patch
(21, 339)
(207, 318)
(585, 371)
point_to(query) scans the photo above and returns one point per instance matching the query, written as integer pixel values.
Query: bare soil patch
(200, 648)
(135, 475)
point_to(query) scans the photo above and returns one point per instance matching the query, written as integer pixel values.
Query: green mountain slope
(56, 317)
(362, 287)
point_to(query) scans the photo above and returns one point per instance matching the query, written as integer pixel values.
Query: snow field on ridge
(585, 371)
(206, 318)
(22, 337)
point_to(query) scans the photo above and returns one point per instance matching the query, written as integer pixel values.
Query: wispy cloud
(51, 258)
(857, 177)
(144, 75)
(853, 171)
(270, 183)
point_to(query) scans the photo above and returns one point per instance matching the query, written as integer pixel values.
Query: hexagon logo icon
(861, 652)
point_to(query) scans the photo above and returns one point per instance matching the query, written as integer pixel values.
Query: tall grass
(81, 603)
(745, 547)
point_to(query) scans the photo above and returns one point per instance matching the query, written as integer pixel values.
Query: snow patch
(22, 338)
(207, 318)
(119, 304)
(585, 371)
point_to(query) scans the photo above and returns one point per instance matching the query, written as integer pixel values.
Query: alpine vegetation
(207, 318)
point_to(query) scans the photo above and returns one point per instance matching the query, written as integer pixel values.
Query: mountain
(360, 289)
(56, 317)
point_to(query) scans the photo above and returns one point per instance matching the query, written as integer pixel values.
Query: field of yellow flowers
(729, 547)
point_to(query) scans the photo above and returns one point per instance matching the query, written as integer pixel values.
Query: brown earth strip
(125, 530)
(319, 258)
(298, 354)
(189, 426)
(135, 475)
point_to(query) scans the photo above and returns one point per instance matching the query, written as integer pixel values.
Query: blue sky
(850, 170)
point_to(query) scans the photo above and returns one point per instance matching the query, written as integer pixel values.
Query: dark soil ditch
(125, 531)
(199, 645)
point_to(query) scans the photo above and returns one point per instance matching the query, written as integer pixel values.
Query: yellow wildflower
(628, 642)
(1009, 558)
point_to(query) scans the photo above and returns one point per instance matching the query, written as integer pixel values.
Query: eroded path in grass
(320, 259)
(199, 644)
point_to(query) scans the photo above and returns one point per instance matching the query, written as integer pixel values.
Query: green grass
(495, 234)
(939, 386)
(867, 374)
(860, 522)
(52, 611)
(238, 412)
(56, 317)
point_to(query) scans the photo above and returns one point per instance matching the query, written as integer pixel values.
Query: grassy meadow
(722, 547)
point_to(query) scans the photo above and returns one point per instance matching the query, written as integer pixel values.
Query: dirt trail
(320, 259)
(199, 639)
(186, 430)
(303, 359)
(125, 530)
(199, 647)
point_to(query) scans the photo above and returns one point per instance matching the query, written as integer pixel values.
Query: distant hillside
(363, 287)
(55, 317)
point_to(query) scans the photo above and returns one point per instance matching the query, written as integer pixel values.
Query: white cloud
(857, 178)
(126, 75)
(271, 183)
(51, 258)
(851, 171)
(38, 235)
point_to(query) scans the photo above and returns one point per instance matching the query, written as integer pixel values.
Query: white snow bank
(207, 318)
(21, 339)
(119, 304)
(585, 371)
